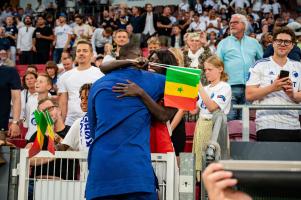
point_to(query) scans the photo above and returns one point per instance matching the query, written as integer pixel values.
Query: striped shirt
(263, 73)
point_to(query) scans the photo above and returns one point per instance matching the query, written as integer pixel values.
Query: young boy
(42, 87)
(78, 137)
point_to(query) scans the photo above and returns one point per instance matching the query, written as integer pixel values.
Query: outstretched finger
(119, 87)
(212, 168)
(226, 183)
(121, 84)
(129, 81)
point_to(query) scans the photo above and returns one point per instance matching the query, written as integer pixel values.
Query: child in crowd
(29, 80)
(215, 96)
(42, 86)
(78, 137)
(52, 71)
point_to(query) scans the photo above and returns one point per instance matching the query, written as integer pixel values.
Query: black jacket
(143, 20)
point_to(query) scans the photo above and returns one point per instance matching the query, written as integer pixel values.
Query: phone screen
(283, 74)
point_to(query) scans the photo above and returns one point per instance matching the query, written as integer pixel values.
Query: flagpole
(168, 67)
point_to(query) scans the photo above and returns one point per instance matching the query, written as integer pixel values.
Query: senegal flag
(181, 87)
(41, 129)
(44, 128)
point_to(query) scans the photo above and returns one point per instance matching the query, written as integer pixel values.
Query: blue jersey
(119, 158)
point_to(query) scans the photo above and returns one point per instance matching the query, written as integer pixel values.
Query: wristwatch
(15, 122)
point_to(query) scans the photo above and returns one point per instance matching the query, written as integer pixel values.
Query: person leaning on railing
(268, 87)
(215, 96)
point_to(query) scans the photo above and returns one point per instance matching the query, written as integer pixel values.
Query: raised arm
(107, 67)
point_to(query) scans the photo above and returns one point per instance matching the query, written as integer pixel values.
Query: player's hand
(127, 89)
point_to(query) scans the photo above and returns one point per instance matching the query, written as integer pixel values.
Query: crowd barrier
(246, 114)
(71, 174)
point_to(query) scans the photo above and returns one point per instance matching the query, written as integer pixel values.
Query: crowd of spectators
(235, 37)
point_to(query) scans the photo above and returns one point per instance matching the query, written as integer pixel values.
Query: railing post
(245, 123)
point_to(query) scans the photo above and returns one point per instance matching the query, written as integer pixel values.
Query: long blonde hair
(177, 52)
(216, 62)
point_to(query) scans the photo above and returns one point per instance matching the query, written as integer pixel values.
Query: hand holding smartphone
(283, 74)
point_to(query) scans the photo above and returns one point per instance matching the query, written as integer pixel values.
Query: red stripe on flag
(180, 102)
(50, 147)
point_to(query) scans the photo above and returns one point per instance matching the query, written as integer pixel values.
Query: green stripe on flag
(178, 75)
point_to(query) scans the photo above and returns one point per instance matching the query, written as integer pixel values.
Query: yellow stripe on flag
(40, 137)
(181, 90)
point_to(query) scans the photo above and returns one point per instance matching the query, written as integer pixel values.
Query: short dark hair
(33, 66)
(108, 30)
(128, 50)
(120, 31)
(47, 99)
(85, 42)
(284, 30)
(85, 87)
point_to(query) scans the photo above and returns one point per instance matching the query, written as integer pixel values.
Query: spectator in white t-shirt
(266, 7)
(213, 97)
(240, 4)
(42, 86)
(81, 31)
(78, 137)
(266, 86)
(197, 24)
(184, 6)
(62, 34)
(276, 7)
(71, 81)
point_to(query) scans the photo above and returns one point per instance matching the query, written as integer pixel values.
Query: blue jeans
(57, 53)
(238, 97)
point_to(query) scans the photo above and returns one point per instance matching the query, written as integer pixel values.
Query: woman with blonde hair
(196, 52)
(213, 97)
(177, 52)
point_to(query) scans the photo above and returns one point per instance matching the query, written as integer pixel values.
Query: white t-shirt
(276, 8)
(266, 8)
(184, 6)
(78, 136)
(61, 33)
(257, 6)
(84, 30)
(70, 82)
(264, 72)
(221, 94)
(30, 122)
(200, 26)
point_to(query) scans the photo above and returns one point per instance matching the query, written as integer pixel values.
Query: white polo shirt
(263, 73)
(221, 94)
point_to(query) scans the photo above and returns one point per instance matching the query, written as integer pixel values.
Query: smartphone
(283, 74)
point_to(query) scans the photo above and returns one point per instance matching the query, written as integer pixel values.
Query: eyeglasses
(50, 109)
(285, 42)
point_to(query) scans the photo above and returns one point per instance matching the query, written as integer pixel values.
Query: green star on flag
(180, 89)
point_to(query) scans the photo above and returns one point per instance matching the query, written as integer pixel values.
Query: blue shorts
(131, 196)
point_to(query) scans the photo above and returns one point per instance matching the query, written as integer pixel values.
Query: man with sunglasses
(267, 86)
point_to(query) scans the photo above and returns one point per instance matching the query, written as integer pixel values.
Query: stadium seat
(235, 130)
(189, 129)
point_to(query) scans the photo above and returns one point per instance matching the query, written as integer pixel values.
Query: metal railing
(52, 184)
(246, 114)
(217, 147)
